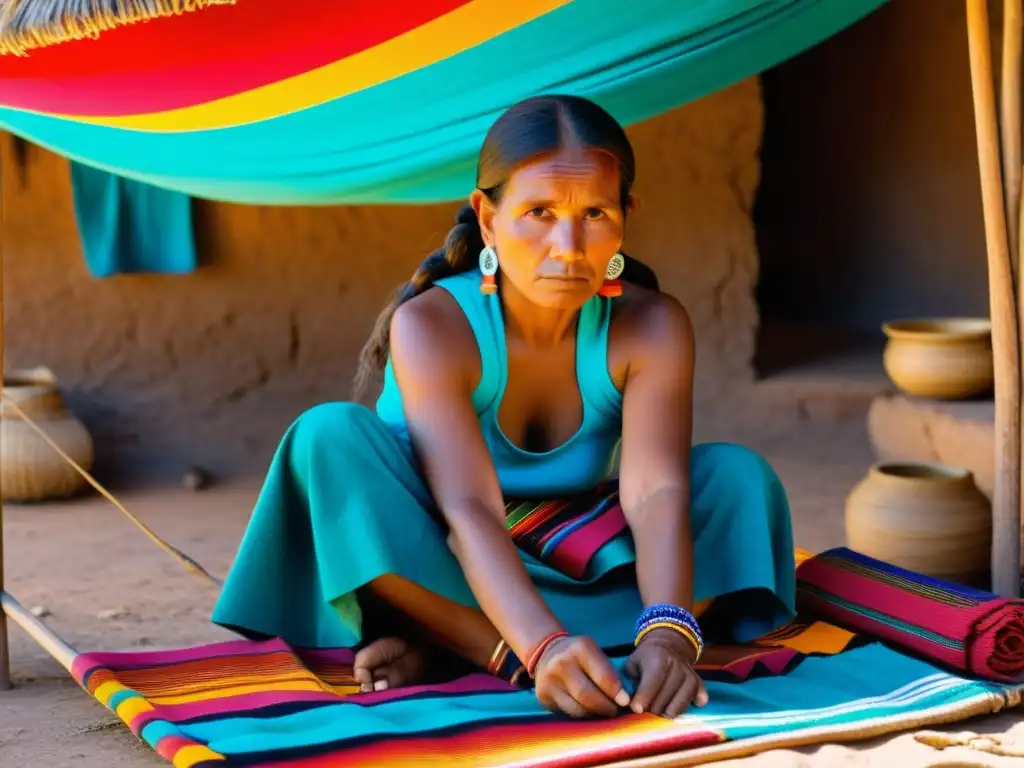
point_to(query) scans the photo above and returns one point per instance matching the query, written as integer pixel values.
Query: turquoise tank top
(585, 459)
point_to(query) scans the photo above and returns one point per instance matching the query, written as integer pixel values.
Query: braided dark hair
(530, 128)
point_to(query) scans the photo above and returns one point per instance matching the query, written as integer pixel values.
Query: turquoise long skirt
(344, 503)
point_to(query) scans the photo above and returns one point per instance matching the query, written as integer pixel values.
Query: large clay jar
(30, 469)
(928, 518)
(947, 359)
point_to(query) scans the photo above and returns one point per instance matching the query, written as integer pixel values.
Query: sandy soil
(82, 561)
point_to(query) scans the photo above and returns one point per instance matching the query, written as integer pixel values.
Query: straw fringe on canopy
(27, 24)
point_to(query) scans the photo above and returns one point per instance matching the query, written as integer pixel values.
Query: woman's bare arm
(436, 366)
(655, 467)
(655, 493)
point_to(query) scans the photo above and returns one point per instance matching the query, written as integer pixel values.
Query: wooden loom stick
(1006, 532)
(45, 637)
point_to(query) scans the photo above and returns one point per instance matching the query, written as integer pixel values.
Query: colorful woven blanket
(266, 704)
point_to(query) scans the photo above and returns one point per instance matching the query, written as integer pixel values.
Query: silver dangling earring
(612, 286)
(489, 268)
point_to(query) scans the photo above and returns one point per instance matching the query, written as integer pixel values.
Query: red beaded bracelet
(531, 665)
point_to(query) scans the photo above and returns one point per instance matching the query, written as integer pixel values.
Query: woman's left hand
(668, 683)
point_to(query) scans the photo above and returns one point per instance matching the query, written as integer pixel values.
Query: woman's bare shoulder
(652, 321)
(648, 328)
(432, 327)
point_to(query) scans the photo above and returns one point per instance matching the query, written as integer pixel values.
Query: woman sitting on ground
(513, 369)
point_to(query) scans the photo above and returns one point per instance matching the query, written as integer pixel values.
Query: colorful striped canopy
(356, 101)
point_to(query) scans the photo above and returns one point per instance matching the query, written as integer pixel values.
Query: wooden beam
(1006, 527)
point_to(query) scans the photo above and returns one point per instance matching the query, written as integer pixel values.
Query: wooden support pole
(1006, 537)
(5, 656)
(1012, 139)
(1010, 124)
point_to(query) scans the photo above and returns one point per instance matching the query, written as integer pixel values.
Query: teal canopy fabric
(130, 227)
(331, 101)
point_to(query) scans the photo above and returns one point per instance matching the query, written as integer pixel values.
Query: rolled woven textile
(970, 630)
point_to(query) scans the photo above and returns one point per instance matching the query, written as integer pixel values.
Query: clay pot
(943, 358)
(30, 469)
(928, 518)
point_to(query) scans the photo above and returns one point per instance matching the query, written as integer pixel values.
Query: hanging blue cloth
(129, 227)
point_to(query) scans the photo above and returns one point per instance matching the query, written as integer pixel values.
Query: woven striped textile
(966, 629)
(565, 533)
(248, 703)
(360, 101)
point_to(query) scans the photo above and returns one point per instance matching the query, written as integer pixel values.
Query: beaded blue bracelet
(665, 614)
(685, 621)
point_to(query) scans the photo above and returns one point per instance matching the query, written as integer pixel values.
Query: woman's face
(558, 224)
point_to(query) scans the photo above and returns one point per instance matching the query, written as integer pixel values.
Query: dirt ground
(82, 561)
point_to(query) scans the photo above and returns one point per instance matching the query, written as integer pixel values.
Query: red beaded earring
(612, 286)
(489, 268)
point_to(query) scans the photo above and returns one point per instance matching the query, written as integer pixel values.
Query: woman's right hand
(575, 677)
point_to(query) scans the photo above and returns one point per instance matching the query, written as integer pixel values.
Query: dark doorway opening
(869, 206)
